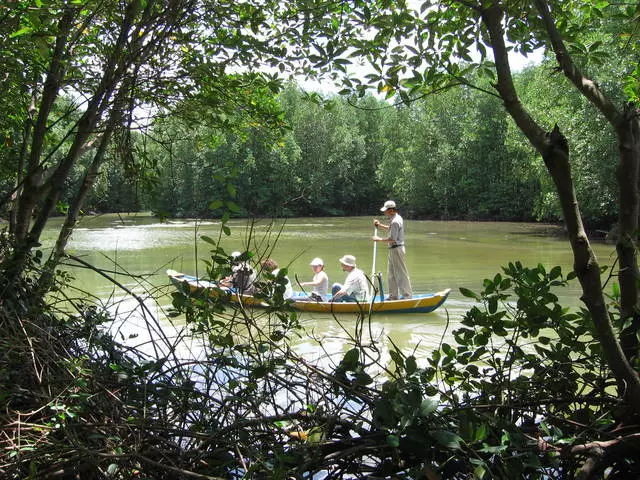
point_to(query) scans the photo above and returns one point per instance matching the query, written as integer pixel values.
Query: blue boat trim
(301, 301)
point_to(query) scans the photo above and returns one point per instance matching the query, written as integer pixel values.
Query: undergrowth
(518, 390)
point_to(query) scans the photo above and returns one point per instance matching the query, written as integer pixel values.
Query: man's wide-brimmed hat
(387, 205)
(348, 260)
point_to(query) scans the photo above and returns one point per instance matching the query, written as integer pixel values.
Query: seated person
(355, 285)
(242, 276)
(271, 266)
(320, 282)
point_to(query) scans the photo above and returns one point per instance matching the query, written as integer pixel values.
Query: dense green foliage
(593, 145)
(436, 156)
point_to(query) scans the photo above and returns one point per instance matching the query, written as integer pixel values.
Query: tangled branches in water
(517, 391)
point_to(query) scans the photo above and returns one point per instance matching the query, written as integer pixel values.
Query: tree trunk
(26, 202)
(45, 189)
(75, 208)
(555, 153)
(628, 133)
(114, 70)
(627, 129)
(24, 150)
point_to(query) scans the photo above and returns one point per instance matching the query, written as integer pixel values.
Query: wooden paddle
(373, 264)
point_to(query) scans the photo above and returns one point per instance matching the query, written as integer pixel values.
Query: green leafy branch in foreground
(531, 382)
(520, 395)
(519, 391)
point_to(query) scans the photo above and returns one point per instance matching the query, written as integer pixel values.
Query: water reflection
(439, 255)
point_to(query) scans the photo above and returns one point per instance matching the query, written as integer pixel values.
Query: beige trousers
(398, 281)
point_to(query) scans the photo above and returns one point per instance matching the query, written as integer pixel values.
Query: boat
(419, 303)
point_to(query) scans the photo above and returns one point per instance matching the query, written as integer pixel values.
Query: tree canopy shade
(117, 60)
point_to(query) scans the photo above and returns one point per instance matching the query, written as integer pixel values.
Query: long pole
(373, 263)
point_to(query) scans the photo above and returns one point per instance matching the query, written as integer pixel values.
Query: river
(439, 254)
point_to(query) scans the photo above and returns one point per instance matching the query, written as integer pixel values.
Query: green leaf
(315, 435)
(479, 471)
(351, 359)
(428, 406)
(446, 439)
(216, 204)
(363, 378)
(233, 206)
(468, 293)
(393, 441)
(397, 358)
(615, 289)
(411, 365)
(493, 305)
(22, 31)
(492, 449)
(207, 239)
(480, 432)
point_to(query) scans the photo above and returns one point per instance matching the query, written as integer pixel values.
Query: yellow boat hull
(420, 303)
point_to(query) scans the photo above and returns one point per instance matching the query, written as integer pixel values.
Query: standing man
(397, 275)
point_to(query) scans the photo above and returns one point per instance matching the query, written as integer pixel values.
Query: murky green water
(439, 254)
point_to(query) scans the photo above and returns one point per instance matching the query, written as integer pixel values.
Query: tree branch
(585, 85)
(555, 152)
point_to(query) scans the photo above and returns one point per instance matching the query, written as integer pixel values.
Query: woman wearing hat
(320, 282)
(398, 282)
(355, 285)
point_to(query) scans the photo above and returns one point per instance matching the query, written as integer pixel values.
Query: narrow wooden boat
(419, 303)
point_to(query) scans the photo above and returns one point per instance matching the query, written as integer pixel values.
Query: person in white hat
(320, 282)
(355, 285)
(398, 282)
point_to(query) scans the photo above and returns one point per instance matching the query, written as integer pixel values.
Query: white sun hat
(387, 205)
(348, 260)
(316, 261)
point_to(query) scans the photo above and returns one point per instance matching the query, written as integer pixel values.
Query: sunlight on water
(130, 238)
(439, 255)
